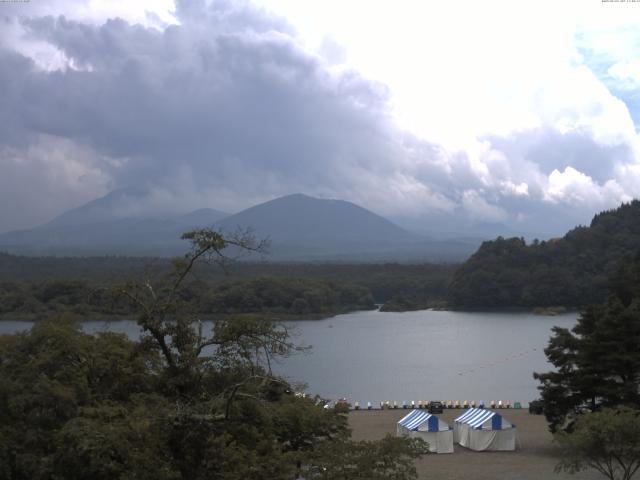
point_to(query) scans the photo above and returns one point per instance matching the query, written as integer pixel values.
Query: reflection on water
(412, 355)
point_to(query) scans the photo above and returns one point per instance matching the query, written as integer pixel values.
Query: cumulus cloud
(220, 104)
(475, 204)
(578, 189)
(627, 73)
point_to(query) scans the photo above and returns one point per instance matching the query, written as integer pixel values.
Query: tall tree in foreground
(182, 403)
(598, 361)
(607, 441)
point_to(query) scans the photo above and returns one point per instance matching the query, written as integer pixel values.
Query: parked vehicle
(436, 406)
(536, 407)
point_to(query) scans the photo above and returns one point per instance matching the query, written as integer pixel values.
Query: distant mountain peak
(299, 219)
(297, 197)
(113, 205)
(300, 227)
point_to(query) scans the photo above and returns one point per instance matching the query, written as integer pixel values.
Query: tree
(571, 271)
(181, 403)
(391, 458)
(598, 361)
(54, 382)
(607, 441)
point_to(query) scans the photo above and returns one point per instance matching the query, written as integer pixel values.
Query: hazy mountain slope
(303, 228)
(203, 217)
(306, 221)
(300, 228)
(117, 223)
(118, 204)
(129, 236)
(570, 271)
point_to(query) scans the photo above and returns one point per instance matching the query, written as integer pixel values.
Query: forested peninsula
(572, 271)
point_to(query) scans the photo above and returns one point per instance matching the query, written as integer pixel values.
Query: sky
(440, 115)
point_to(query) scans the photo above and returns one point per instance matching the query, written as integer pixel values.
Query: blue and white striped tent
(480, 429)
(422, 424)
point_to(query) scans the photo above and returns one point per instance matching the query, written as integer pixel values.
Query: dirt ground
(534, 459)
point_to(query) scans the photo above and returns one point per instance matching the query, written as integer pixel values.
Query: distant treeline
(32, 287)
(572, 271)
(281, 296)
(273, 296)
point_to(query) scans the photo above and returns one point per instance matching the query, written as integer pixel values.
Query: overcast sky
(516, 112)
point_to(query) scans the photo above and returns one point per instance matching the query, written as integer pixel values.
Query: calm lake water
(373, 356)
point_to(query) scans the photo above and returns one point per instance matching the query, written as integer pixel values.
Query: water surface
(373, 356)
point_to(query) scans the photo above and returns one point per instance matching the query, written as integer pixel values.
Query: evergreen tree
(571, 271)
(597, 362)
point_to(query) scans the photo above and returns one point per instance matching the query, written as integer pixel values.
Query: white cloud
(627, 73)
(576, 188)
(510, 188)
(150, 13)
(460, 73)
(409, 109)
(479, 208)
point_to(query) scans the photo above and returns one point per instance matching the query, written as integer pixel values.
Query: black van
(536, 407)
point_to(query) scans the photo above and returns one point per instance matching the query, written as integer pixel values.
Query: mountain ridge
(305, 220)
(300, 228)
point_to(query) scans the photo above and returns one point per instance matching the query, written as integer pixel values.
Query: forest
(182, 404)
(572, 271)
(33, 286)
(178, 403)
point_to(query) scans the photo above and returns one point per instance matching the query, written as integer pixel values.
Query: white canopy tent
(460, 419)
(422, 424)
(484, 430)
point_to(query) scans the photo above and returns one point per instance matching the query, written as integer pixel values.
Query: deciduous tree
(607, 441)
(184, 402)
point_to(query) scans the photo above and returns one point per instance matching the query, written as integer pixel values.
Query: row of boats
(437, 405)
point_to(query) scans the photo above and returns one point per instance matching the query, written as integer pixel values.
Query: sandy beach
(535, 458)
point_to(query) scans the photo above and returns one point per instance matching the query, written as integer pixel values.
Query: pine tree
(597, 363)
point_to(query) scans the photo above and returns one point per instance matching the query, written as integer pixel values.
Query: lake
(373, 356)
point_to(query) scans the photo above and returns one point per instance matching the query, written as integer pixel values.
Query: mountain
(117, 224)
(118, 204)
(299, 227)
(303, 228)
(306, 221)
(571, 271)
(203, 217)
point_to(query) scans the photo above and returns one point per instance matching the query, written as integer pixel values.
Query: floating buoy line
(495, 363)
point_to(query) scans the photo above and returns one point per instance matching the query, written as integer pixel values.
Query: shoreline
(290, 317)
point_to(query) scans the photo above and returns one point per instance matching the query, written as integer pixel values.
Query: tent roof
(476, 417)
(469, 413)
(416, 418)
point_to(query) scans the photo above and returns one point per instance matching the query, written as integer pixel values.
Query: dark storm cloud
(215, 103)
(225, 100)
(225, 109)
